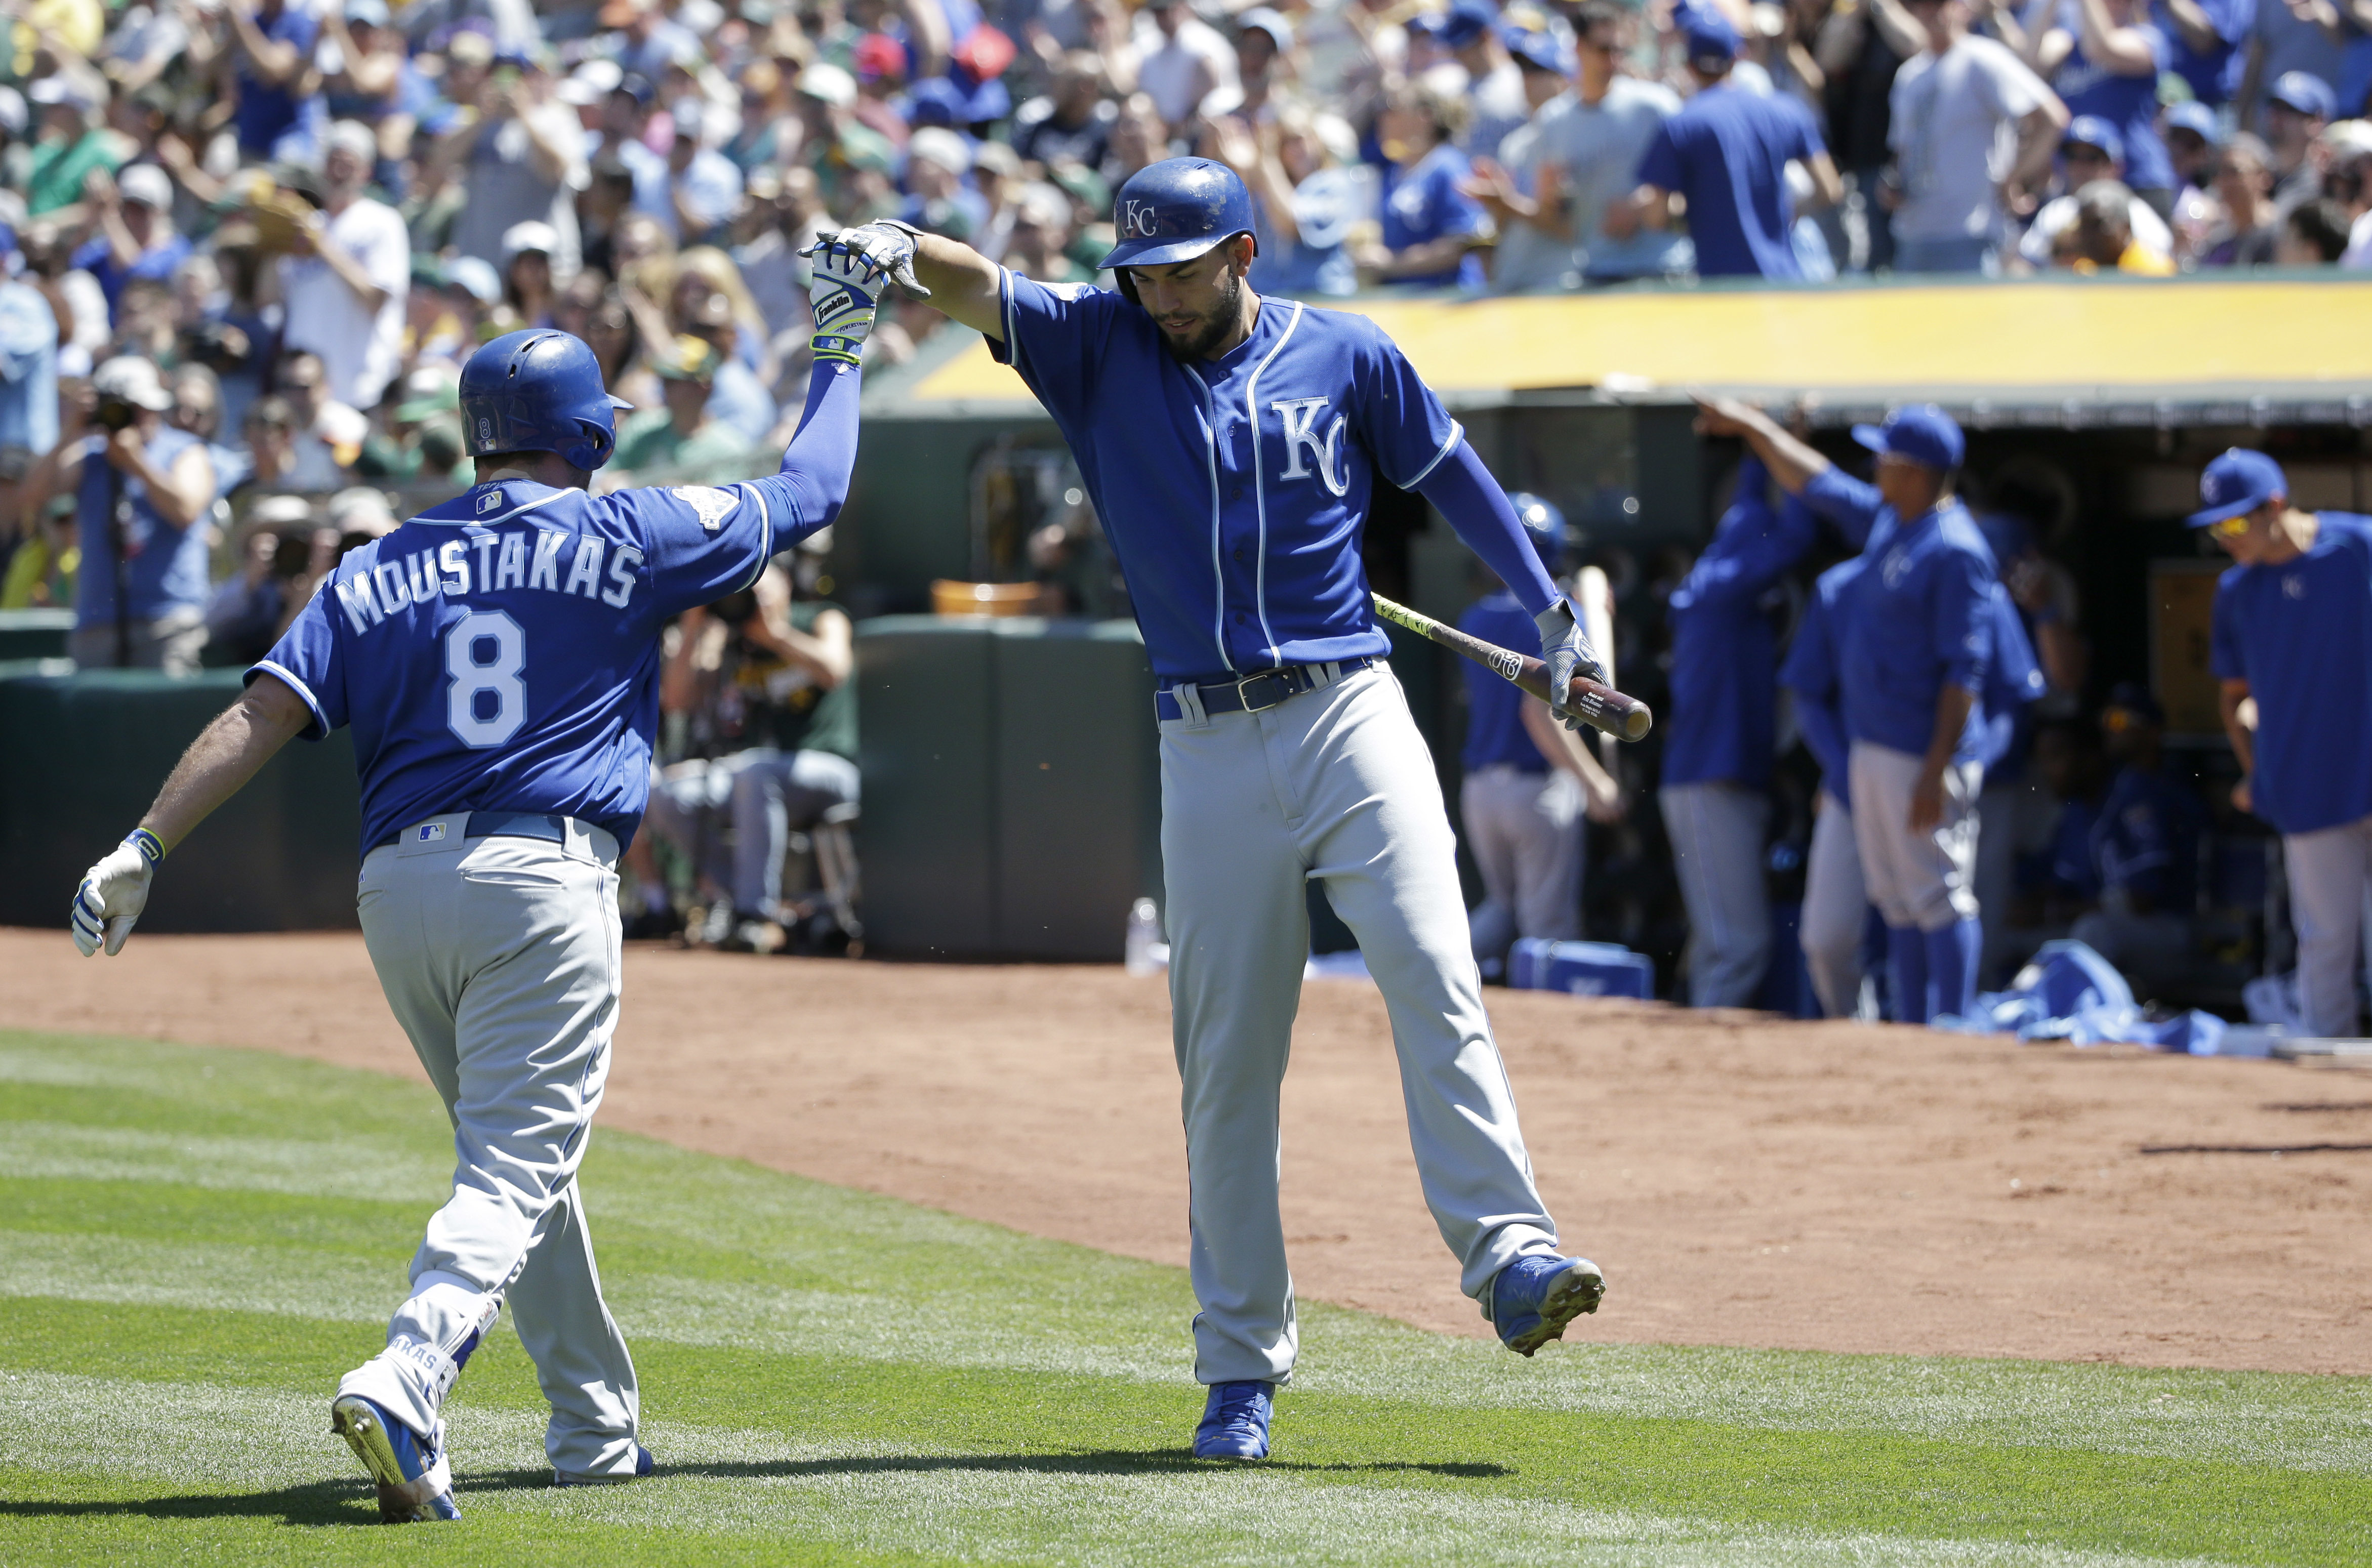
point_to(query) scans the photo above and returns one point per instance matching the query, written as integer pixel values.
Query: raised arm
(961, 283)
(1790, 461)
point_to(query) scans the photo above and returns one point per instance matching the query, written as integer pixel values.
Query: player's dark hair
(579, 478)
(2322, 225)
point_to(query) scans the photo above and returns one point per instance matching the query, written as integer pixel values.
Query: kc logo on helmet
(1142, 219)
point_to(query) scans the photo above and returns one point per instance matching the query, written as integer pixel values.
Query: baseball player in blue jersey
(1719, 735)
(2293, 632)
(498, 658)
(1836, 900)
(1231, 444)
(1529, 782)
(1912, 656)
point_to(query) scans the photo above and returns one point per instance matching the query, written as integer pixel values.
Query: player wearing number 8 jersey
(497, 660)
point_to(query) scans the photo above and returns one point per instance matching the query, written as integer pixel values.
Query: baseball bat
(1599, 706)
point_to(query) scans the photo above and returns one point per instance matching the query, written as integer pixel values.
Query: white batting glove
(114, 893)
(886, 243)
(1567, 654)
(843, 296)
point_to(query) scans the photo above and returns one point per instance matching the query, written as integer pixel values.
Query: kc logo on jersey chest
(1300, 417)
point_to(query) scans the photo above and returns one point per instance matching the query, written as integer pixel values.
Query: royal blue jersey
(2013, 681)
(1426, 202)
(2214, 76)
(1727, 151)
(1235, 490)
(1494, 708)
(1724, 714)
(501, 651)
(2300, 634)
(2129, 103)
(1920, 619)
(1810, 673)
(2146, 840)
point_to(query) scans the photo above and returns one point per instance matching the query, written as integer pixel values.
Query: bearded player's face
(1196, 303)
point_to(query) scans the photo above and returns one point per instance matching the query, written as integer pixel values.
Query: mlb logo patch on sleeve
(708, 503)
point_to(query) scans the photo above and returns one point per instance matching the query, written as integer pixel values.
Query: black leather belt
(1255, 693)
(549, 826)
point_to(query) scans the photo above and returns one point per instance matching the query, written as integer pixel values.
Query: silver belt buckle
(1276, 675)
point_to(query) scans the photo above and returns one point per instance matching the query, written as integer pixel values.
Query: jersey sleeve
(1961, 608)
(1403, 425)
(701, 542)
(1054, 336)
(1845, 501)
(309, 659)
(2226, 660)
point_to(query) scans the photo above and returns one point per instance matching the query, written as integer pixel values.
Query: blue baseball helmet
(1175, 210)
(538, 390)
(1543, 524)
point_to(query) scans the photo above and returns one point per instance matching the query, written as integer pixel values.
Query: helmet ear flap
(1127, 283)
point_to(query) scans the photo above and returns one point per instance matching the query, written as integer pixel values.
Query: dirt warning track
(1743, 1182)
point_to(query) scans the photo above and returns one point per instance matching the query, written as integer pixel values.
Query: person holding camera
(144, 494)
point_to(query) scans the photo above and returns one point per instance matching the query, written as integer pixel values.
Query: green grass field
(194, 1244)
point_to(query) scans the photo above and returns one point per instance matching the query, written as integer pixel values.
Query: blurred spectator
(268, 435)
(1181, 60)
(771, 266)
(521, 159)
(2288, 38)
(1263, 68)
(366, 73)
(1596, 145)
(938, 198)
(135, 238)
(28, 369)
(738, 396)
(1495, 100)
(2314, 235)
(996, 175)
(253, 605)
(680, 434)
(72, 144)
(1525, 194)
(423, 438)
(1305, 200)
(1973, 128)
(2091, 151)
(2144, 851)
(75, 299)
(2193, 141)
(1041, 242)
(1072, 121)
(703, 188)
(347, 277)
(2249, 229)
(2296, 111)
(329, 431)
(528, 293)
(2348, 150)
(1725, 154)
(2102, 235)
(2104, 60)
(272, 83)
(197, 408)
(144, 494)
(1431, 226)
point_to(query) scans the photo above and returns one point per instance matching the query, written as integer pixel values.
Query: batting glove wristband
(1567, 654)
(114, 893)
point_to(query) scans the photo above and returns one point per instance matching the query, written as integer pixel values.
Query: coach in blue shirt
(1914, 639)
(1719, 733)
(2293, 633)
(1726, 152)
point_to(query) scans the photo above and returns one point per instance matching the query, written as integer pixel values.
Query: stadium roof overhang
(2058, 351)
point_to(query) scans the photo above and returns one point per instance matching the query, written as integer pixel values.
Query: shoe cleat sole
(402, 1499)
(1577, 1291)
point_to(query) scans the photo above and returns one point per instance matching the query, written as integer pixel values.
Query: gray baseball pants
(1334, 785)
(2328, 871)
(1716, 830)
(500, 959)
(1525, 832)
(1924, 880)
(1836, 907)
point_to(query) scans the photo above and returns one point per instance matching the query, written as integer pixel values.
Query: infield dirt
(1744, 1181)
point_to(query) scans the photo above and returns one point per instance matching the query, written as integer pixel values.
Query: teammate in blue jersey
(2293, 632)
(1529, 782)
(1911, 658)
(497, 659)
(1719, 732)
(1836, 900)
(1232, 446)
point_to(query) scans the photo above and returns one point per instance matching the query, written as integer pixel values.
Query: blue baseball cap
(1468, 21)
(2240, 481)
(2091, 130)
(1919, 433)
(2304, 92)
(1709, 37)
(2196, 118)
(1540, 51)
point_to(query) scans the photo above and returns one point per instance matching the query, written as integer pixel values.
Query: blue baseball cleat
(1533, 1298)
(415, 1484)
(1235, 1422)
(643, 1467)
